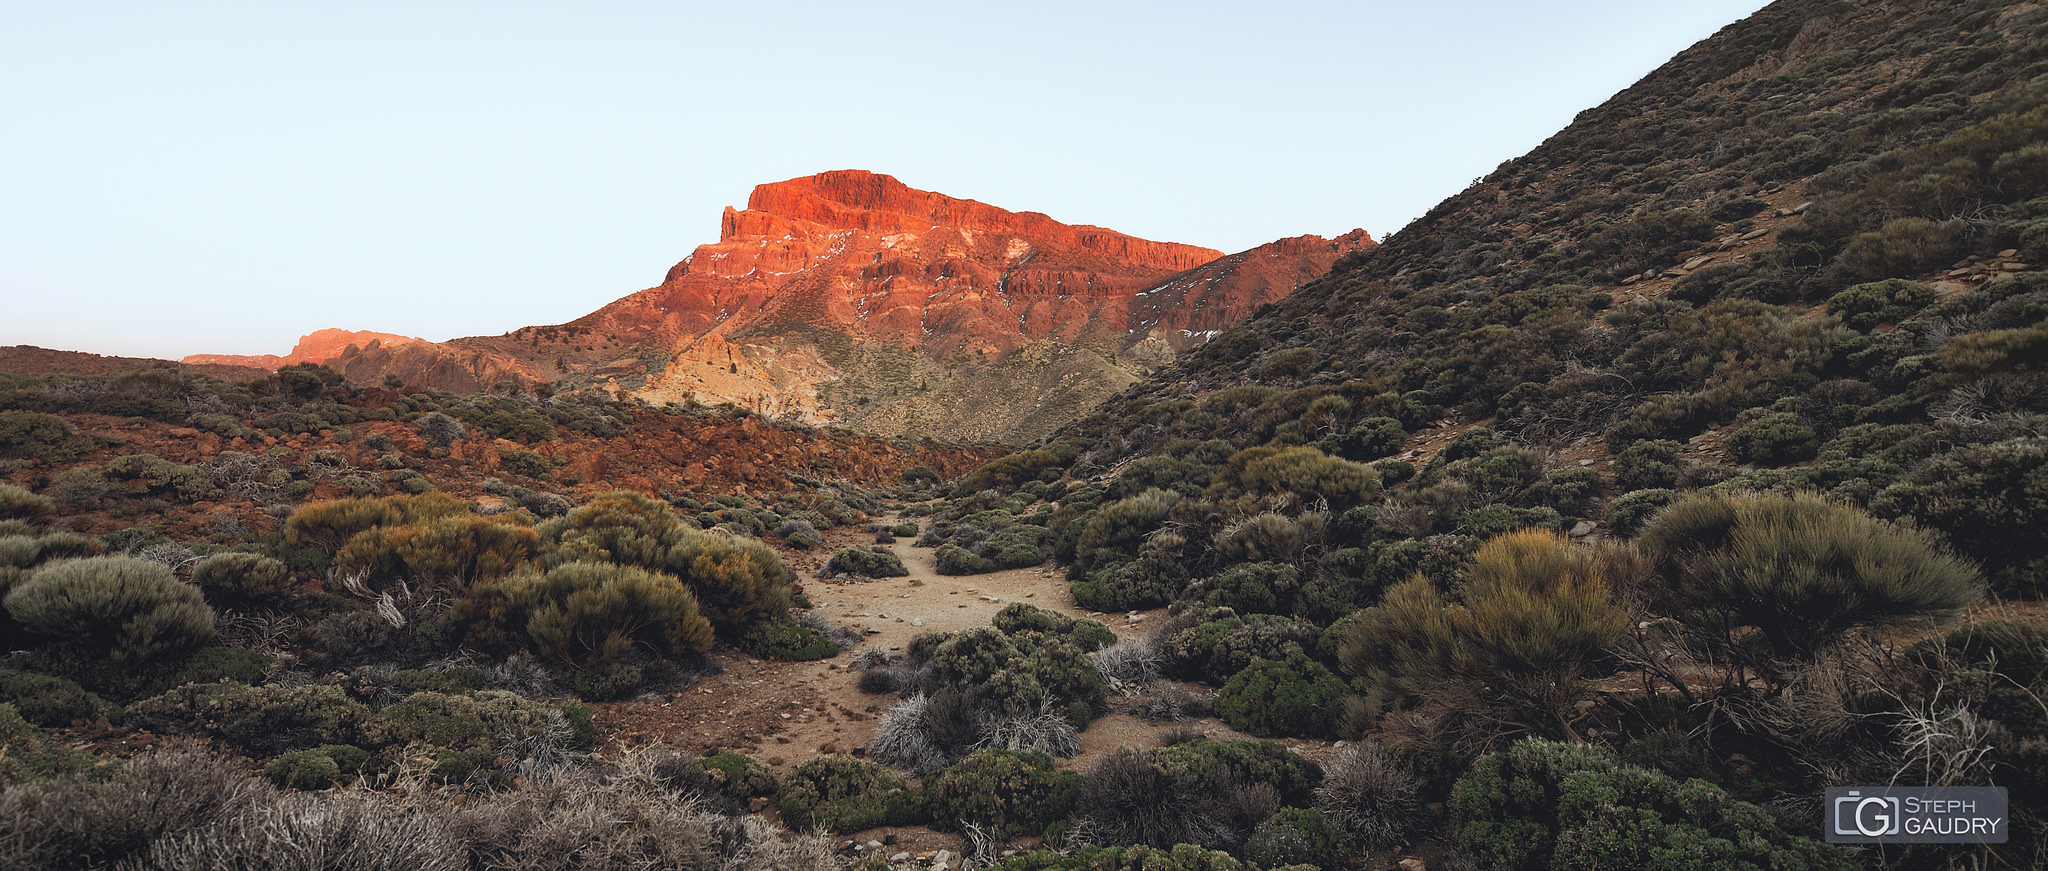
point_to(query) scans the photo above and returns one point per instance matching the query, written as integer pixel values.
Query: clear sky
(221, 177)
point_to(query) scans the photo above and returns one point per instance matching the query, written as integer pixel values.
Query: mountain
(318, 346)
(853, 299)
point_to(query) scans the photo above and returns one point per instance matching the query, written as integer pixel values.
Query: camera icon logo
(1871, 816)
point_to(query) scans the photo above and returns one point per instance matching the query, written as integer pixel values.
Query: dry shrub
(360, 831)
(59, 825)
(1370, 795)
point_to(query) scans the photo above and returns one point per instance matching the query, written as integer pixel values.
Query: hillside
(318, 346)
(850, 298)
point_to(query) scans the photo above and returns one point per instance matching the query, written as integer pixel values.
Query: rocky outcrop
(851, 298)
(318, 346)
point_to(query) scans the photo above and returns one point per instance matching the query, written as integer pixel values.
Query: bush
(737, 581)
(1294, 836)
(1371, 796)
(867, 562)
(843, 794)
(439, 429)
(134, 610)
(1627, 513)
(587, 614)
(1647, 464)
(608, 682)
(1006, 794)
(1541, 804)
(318, 768)
(46, 438)
(740, 776)
(1135, 857)
(19, 504)
(1367, 440)
(31, 755)
(1772, 437)
(1220, 644)
(956, 560)
(1303, 474)
(260, 720)
(240, 578)
(1295, 697)
(904, 530)
(51, 702)
(1534, 614)
(1019, 617)
(786, 640)
(1865, 306)
(1800, 570)
(1986, 499)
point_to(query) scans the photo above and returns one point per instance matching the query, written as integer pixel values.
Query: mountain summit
(851, 298)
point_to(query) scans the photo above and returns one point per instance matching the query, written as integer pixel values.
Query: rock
(829, 748)
(1757, 233)
(1583, 528)
(757, 804)
(1412, 864)
(318, 346)
(854, 255)
(899, 857)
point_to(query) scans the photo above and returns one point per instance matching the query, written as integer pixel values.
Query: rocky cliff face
(318, 346)
(853, 299)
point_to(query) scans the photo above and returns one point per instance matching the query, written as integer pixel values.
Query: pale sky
(211, 177)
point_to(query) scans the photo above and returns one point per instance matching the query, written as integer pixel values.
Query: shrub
(1300, 473)
(1220, 644)
(740, 775)
(1800, 570)
(1006, 794)
(1985, 498)
(1772, 437)
(262, 720)
(1296, 696)
(1517, 645)
(1627, 513)
(134, 610)
(786, 640)
(317, 768)
(904, 530)
(1005, 473)
(1371, 796)
(956, 560)
(1295, 836)
(31, 755)
(1367, 440)
(19, 504)
(738, 581)
(439, 429)
(1249, 588)
(1903, 246)
(46, 438)
(1135, 857)
(44, 700)
(843, 794)
(1647, 464)
(1541, 804)
(1129, 797)
(1865, 306)
(240, 578)
(587, 614)
(867, 562)
(608, 682)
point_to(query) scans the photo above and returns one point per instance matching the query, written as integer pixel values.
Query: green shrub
(474, 723)
(786, 640)
(48, 701)
(19, 504)
(1220, 644)
(1865, 306)
(1007, 794)
(437, 680)
(260, 720)
(956, 560)
(1627, 513)
(1772, 437)
(134, 610)
(586, 614)
(1541, 804)
(1294, 836)
(313, 769)
(162, 477)
(904, 530)
(1299, 473)
(1135, 857)
(1571, 492)
(1903, 246)
(233, 578)
(31, 754)
(1371, 796)
(608, 682)
(740, 775)
(1533, 615)
(1647, 464)
(1800, 570)
(1367, 440)
(872, 562)
(45, 438)
(1249, 588)
(737, 581)
(843, 794)
(1295, 697)
(526, 463)
(1986, 500)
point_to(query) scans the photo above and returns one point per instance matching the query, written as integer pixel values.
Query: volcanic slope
(850, 298)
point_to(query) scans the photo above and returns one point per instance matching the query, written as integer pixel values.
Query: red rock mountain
(850, 298)
(318, 346)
